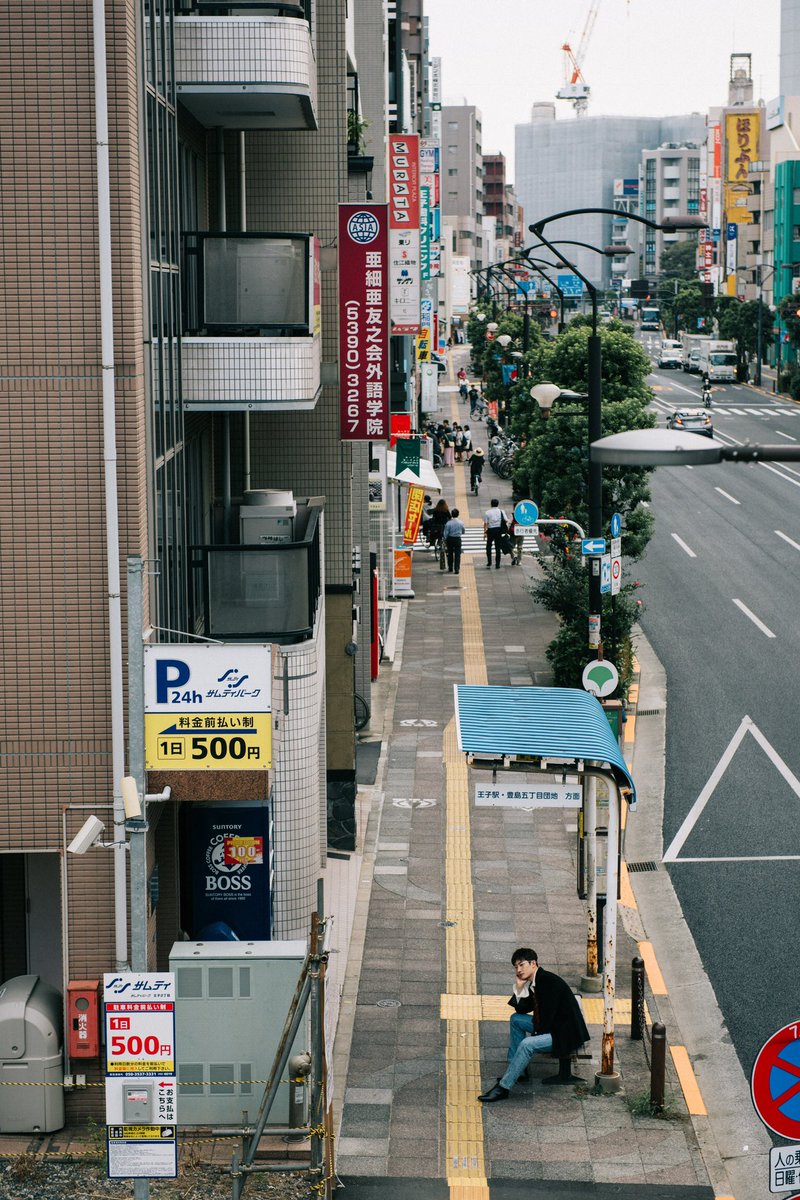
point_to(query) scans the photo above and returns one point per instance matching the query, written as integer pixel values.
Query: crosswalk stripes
(472, 543)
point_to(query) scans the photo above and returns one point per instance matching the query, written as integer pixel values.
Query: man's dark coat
(557, 1010)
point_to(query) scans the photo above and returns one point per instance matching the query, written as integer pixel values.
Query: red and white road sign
(616, 575)
(775, 1082)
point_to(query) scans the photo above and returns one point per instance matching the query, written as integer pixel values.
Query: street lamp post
(595, 389)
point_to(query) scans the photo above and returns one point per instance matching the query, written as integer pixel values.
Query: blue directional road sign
(526, 513)
(593, 546)
(571, 285)
(616, 525)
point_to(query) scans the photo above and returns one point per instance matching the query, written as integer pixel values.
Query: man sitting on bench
(546, 1017)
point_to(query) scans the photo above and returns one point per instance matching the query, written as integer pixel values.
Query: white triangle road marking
(746, 726)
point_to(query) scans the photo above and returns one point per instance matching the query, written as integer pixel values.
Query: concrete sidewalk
(453, 891)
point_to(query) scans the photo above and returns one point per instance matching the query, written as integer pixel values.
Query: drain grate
(648, 712)
(642, 866)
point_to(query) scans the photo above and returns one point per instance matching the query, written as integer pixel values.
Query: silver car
(691, 420)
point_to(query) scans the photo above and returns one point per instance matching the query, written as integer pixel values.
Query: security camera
(131, 798)
(87, 835)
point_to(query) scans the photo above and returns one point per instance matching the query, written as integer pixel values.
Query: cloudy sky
(645, 57)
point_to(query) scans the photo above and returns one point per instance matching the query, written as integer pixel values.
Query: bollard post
(637, 999)
(658, 1065)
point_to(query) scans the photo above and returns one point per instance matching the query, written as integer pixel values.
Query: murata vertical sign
(141, 1116)
(364, 288)
(404, 242)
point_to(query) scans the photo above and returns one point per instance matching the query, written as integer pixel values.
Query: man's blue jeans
(521, 1026)
(525, 1046)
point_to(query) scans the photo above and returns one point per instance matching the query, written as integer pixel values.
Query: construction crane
(575, 88)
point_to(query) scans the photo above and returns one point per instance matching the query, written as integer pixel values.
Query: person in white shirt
(494, 521)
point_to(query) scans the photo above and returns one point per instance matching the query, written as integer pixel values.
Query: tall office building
(462, 179)
(570, 164)
(790, 48)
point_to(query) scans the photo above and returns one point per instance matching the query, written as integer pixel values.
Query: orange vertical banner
(416, 495)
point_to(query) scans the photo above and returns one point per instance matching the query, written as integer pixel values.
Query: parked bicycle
(502, 453)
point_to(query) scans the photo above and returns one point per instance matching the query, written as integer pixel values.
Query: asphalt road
(722, 592)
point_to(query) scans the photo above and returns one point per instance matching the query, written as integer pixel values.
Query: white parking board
(141, 1133)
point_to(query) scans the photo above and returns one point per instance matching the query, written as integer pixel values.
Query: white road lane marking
(727, 495)
(780, 474)
(684, 547)
(757, 412)
(697, 395)
(788, 436)
(759, 624)
(786, 538)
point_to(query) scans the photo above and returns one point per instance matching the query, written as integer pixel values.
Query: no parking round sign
(775, 1082)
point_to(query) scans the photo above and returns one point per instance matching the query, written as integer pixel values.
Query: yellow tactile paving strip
(466, 1168)
(456, 1007)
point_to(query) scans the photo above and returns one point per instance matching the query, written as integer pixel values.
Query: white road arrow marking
(690, 820)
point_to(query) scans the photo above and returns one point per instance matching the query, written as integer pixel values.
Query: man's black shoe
(494, 1093)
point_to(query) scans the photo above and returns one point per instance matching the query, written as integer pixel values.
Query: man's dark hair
(525, 954)
(495, 502)
(453, 512)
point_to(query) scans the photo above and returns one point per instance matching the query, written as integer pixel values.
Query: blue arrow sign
(616, 525)
(526, 513)
(593, 546)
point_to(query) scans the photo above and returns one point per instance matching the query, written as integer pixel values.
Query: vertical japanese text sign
(363, 322)
(404, 232)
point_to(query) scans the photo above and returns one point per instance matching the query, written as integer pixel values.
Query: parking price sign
(208, 707)
(141, 1086)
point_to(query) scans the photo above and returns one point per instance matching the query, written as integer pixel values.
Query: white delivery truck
(718, 360)
(690, 349)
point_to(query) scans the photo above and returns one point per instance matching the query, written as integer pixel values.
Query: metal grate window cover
(642, 866)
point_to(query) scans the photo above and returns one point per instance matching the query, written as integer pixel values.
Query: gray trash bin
(31, 1022)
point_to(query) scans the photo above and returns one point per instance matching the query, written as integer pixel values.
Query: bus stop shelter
(554, 731)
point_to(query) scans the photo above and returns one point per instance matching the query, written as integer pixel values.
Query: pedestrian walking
(454, 530)
(467, 442)
(439, 518)
(449, 447)
(459, 443)
(495, 524)
(546, 1017)
(517, 535)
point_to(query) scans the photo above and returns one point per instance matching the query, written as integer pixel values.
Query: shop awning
(561, 725)
(427, 476)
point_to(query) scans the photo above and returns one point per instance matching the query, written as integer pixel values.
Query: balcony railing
(246, 65)
(251, 322)
(249, 285)
(261, 593)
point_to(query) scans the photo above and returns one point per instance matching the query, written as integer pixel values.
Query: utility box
(31, 1020)
(266, 517)
(231, 1004)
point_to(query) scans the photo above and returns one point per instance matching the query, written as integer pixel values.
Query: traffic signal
(553, 313)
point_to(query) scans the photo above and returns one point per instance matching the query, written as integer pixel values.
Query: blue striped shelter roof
(540, 722)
